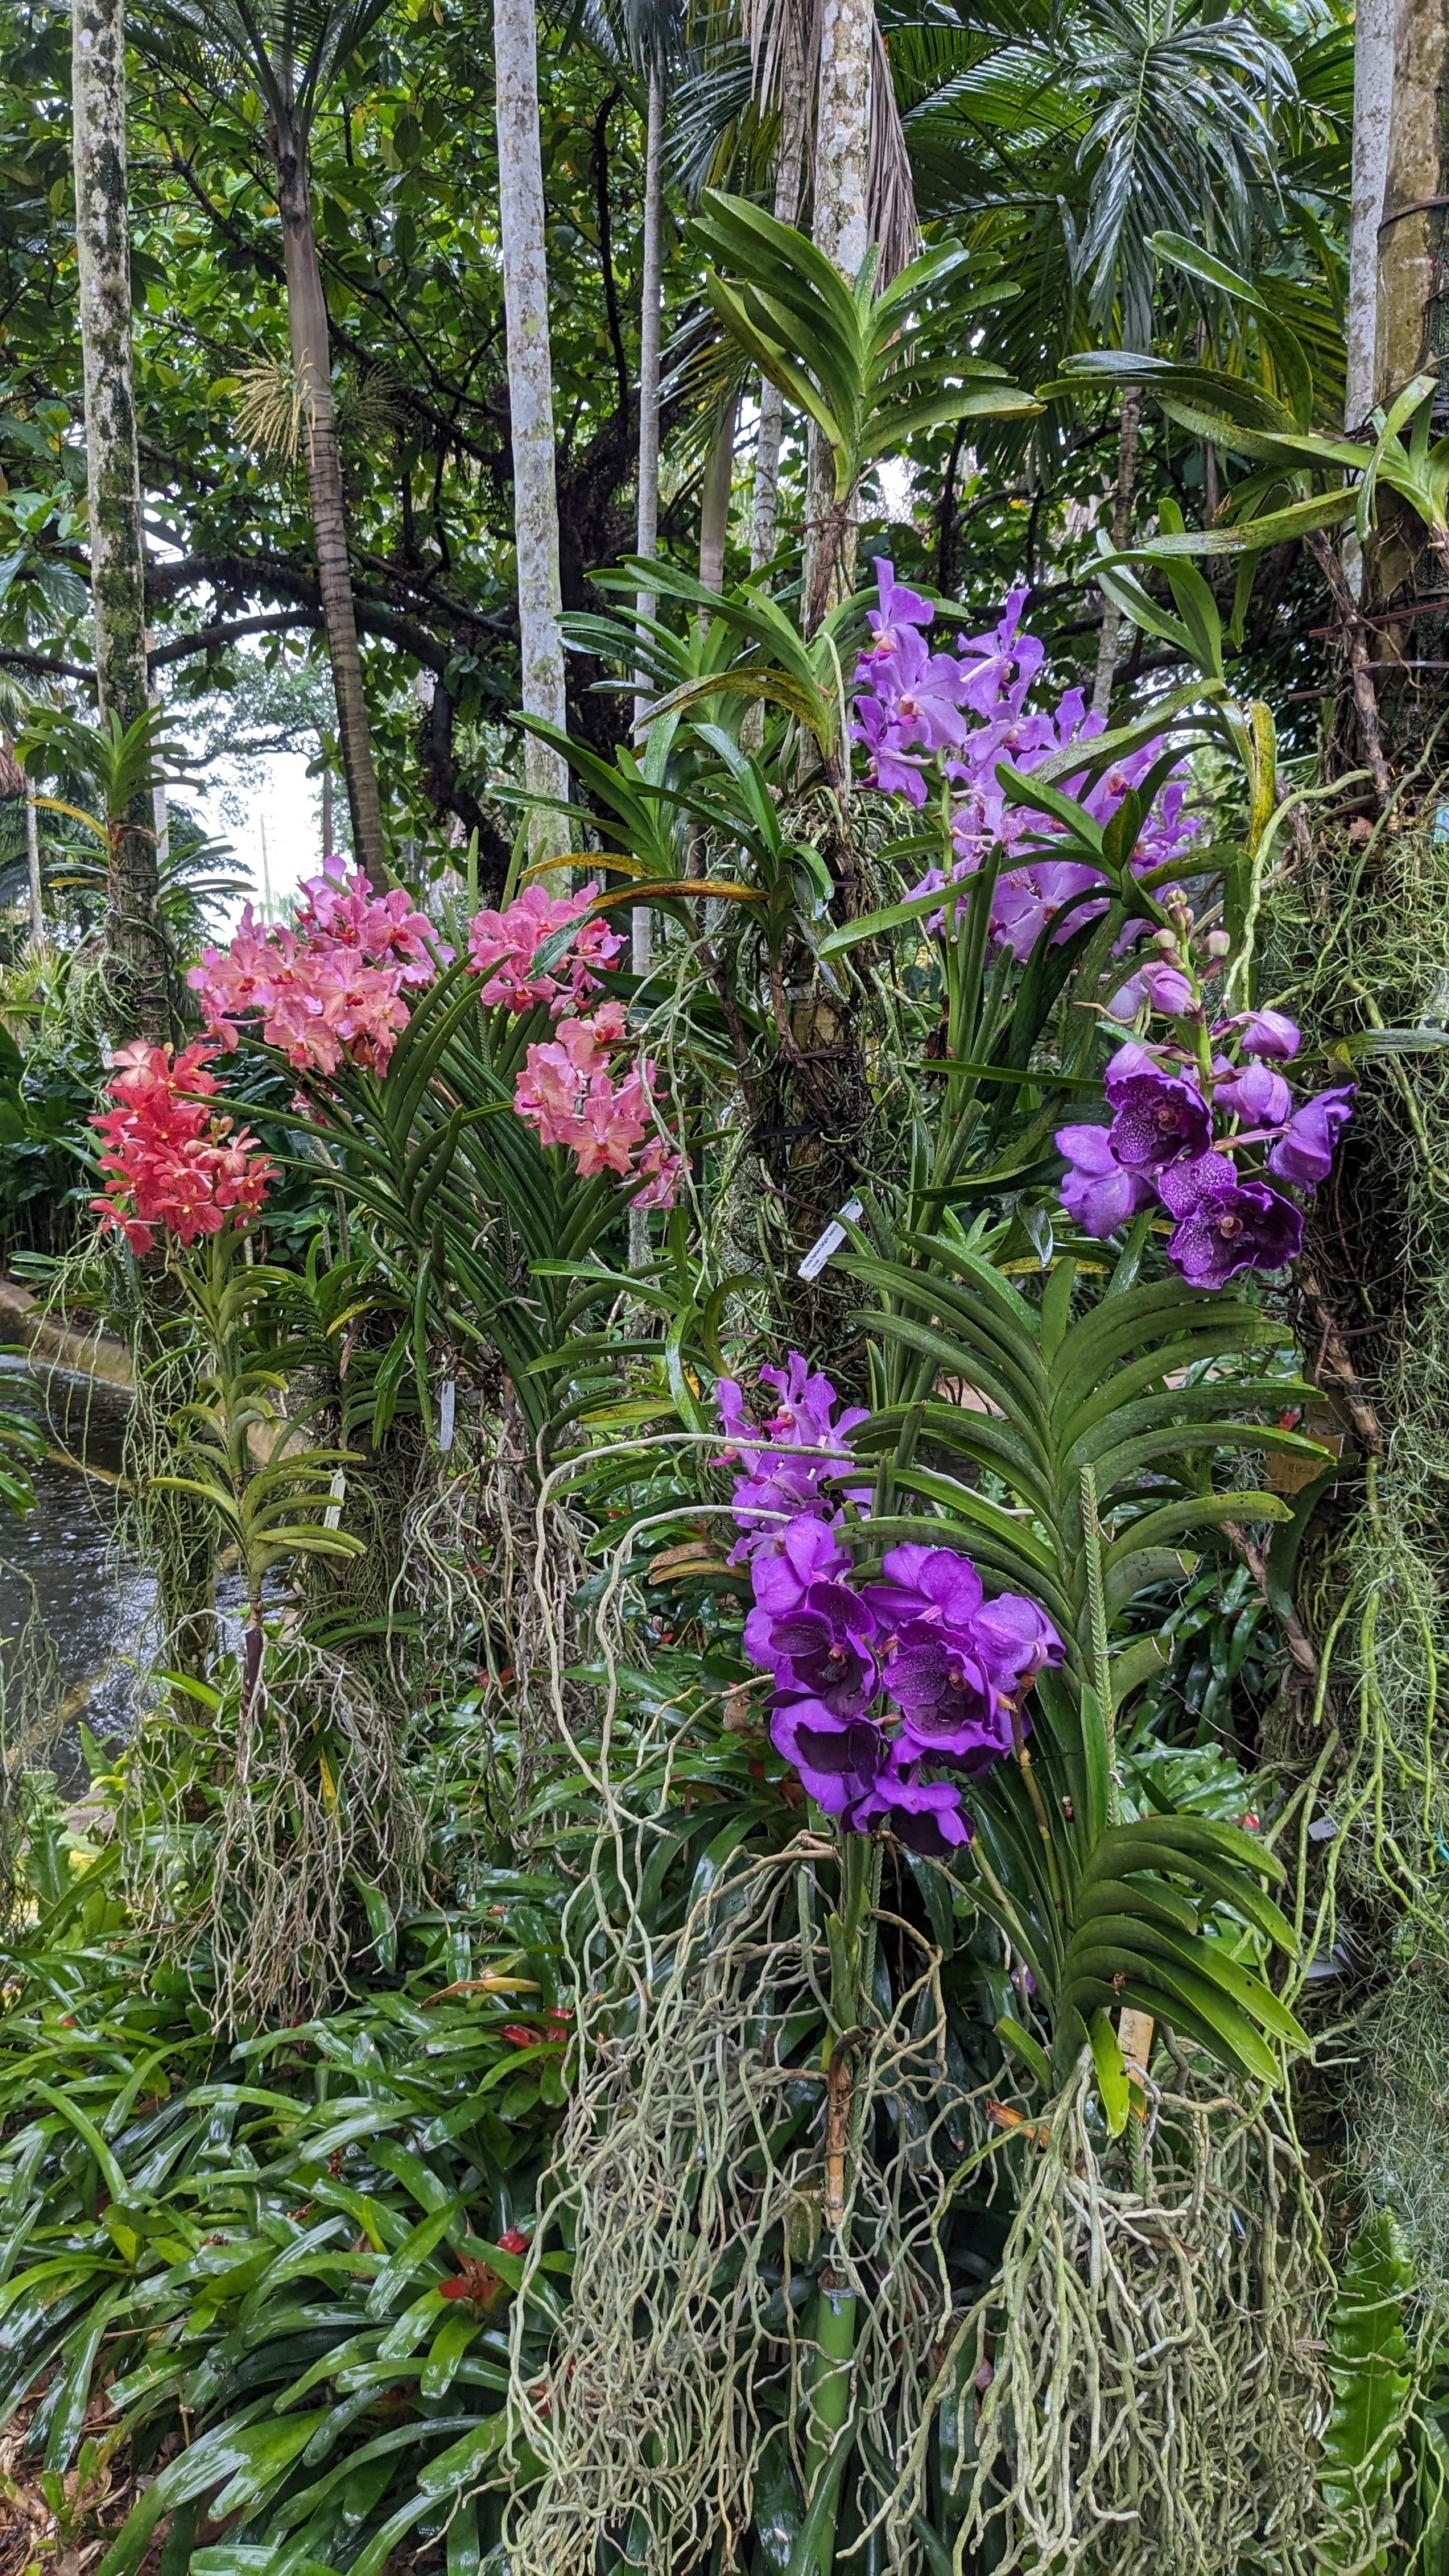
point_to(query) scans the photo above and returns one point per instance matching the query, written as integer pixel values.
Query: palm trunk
(841, 230)
(32, 870)
(312, 364)
(789, 170)
(714, 504)
(641, 919)
(1130, 421)
(134, 951)
(647, 538)
(530, 397)
(1373, 98)
(1411, 230)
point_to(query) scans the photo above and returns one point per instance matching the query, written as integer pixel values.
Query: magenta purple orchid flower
(924, 717)
(1203, 1123)
(879, 1687)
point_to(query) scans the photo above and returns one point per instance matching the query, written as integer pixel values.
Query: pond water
(73, 1614)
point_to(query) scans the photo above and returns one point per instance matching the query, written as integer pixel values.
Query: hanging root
(1152, 2347)
(253, 1848)
(710, 2182)
(489, 1571)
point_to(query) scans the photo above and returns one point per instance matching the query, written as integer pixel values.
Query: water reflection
(73, 1614)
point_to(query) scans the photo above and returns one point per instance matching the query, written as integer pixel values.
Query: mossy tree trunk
(307, 330)
(530, 402)
(134, 951)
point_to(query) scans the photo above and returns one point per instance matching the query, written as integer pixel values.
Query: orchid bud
(1217, 944)
(1167, 941)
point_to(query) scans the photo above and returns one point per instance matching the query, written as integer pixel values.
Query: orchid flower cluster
(568, 1093)
(172, 1160)
(568, 1090)
(333, 983)
(504, 946)
(925, 718)
(876, 1688)
(1203, 1121)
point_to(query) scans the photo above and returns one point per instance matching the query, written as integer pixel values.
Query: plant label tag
(826, 1245)
(447, 1406)
(332, 1517)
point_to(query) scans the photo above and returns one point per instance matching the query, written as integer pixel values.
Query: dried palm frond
(776, 31)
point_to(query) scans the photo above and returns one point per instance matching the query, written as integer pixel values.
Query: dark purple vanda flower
(930, 1585)
(1159, 1115)
(925, 1815)
(1244, 1227)
(822, 1649)
(838, 1759)
(943, 1688)
(1269, 1033)
(1182, 1184)
(1097, 1191)
(1256, 1094)
(1304, 1152)
(1016, 1640)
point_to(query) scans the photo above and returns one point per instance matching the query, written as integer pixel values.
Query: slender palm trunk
(32, 870)
(789, 171)
(714, 503)
(1412, 227)
(641, 919)
(841, 229)
(647, 538)
(530, 396)
(118, 565)
(1373, 98)
(1129, 424)
(312, 364)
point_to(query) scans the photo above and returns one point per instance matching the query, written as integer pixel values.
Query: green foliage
(1369, 2367)
(266, 2249)
(269, 1507)
(1042, 1483)
(854, 360)
(22, 1442)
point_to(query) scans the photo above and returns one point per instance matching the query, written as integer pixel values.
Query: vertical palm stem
(309, 335)
(530, 404)
(118, 564)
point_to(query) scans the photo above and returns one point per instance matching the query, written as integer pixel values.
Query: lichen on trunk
(134, 953)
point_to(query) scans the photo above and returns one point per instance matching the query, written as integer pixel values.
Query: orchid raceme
(173, 1161)
(879, 1688)
(333, 984)
(504, 946)
(1202, 1122)
(929, 721)
(568, 1093)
